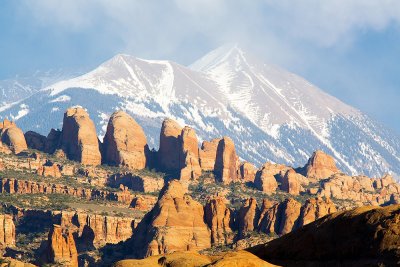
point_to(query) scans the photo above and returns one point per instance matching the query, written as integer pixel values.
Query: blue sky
(349, 48)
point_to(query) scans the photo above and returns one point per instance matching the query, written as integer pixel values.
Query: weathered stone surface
(142, 183)
(320, 166)
(289, 215)
(7, 231)
(174, 224)
(169, 152)
(218, 218)
(265, 179)
(290, 183)
(61, 247)
(125, 143)
(247, 172)
(189, 165)
(248, 216)
(13, 137)
(49, 169)
(364, 236)
(227, 162)
(143, 202)
(315, 208)
(208, 154)
(79, 139)
(35, 140)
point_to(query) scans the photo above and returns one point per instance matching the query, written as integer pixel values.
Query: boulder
(125, 143)
(227, 162)
(218, 218)
(35, 140)
(320, 166)
(61, 247)
(174, 224)
(79, 139)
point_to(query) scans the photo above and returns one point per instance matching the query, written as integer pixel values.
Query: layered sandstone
(61, 247)
(125, 143)
(265, 179)
(49, 169)
(290, 183)
(227, 162)
(79, 139)
(218, 218)
(174, 224)
(315, 208)
(248, 215)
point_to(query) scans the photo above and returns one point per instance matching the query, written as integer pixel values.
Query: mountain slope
(271, 114)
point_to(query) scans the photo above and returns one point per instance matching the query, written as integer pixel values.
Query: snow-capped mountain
(271, 114)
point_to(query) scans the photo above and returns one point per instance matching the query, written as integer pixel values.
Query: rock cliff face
(248, 215)
(218, 218)
(168, 154)
(125, 143)
(265, 180)
(145, 184)
(7, 231)
(208, 154)
(189, 165)
(326, 242)
(290, 183)
(35, 140)
(227, 162)
(61, 247)
(247, 172)
(49, 169)
(174, 224)
(320, 166)
(315, 208)
(12, 136)
(94, 230)
(79, 139)
(16, 186)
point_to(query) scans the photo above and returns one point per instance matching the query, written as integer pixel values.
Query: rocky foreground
(72, 200)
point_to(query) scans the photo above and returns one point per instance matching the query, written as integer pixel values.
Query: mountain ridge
(271, 114)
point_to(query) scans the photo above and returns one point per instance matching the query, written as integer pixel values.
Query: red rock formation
(247, 172)
(13, 137)
(7, 231)
(143, 202)
(265, 180)
(315, 208)
(190, 166)
(217, 217)
(289, 215)
(49, 169)
(320, 166)
(248, 215)
(35, 140)
(169, 152)
(174, 224)
(142, 183)
(52, 141)
(125, 143)
(61, 247)
(79, 139)
(208, 154)
(227, 162)
(290, 183)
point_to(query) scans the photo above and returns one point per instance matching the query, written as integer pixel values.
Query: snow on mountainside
(271, 114)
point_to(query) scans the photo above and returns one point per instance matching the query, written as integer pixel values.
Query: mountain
(271, 114)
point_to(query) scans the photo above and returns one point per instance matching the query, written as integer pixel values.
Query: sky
(348, 48)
